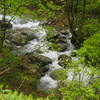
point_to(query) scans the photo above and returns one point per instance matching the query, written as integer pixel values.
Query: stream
(41, 42)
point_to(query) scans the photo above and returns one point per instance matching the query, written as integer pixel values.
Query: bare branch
(5, 70)
(21, 84)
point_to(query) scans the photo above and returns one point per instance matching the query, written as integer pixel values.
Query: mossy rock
(42, 60)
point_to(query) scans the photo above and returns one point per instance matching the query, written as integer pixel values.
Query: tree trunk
(70, 14)
(76, 9)
(84, 5)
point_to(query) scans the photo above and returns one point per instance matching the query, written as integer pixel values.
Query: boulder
(42, 70)
(59, 47)
(38, 69)
(29, 54)
(42, 60)
(17, 38)
(29, 33)
(5, 24)
(21, 36)
(52, 35)
(64, 60)
(62, 46)
(37, 51)
(11, 45)
(27, 68)
(64, 31)
(45, 68)
(61, 39)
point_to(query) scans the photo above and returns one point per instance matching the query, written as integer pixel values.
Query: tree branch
(21, 84)
(5, 70)
(9, 21)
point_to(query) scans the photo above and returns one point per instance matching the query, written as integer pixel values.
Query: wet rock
(38, 69)
(52, 35)
(33, 67)
(64, 60)
(5, 24)
(29, 33)
(21, 36)
(64, 31)
(59, 47)
(39, 75)
(45, 68)
(29, 54)
(61, 39)
(42, 70)
(37, 51)
(62, 46)
(11, 45)
(17, 38)
(28, 69)
(42, 60)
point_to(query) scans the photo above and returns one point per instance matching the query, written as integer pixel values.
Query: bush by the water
(90, 51)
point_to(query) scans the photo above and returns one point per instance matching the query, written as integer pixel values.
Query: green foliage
(6, 94)
(16, 8)
(83, 86)
(94, 4)
(77, 88)
(9, 95)
(91, 27)
(91, 50)
(8, 59)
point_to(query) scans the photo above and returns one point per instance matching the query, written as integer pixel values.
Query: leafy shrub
(7, 94)
(91, 27)
(91, 50)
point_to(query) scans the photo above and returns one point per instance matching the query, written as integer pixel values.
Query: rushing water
(46, 82)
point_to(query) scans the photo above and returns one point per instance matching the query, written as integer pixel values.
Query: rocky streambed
(45, 53)
(34, 44)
